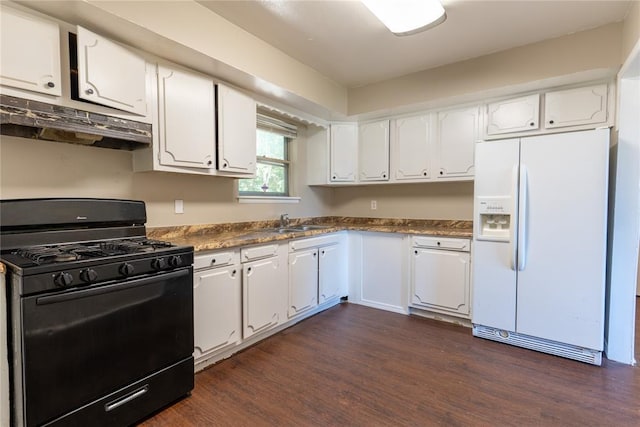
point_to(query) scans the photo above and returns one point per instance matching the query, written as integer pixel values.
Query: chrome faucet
(284, 220)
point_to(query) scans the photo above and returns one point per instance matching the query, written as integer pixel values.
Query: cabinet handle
(224, 165)
(384, 175)
(415, 252)
(51, 84)
(424, 174)
(213, 261)
(89, 91)
(532, 124)
(209, 163)
(314, 254)
(333, 177)
(233, 273)
(438, 243)
(322, 252)
(551, 122)
(249, 270)
(441, 173)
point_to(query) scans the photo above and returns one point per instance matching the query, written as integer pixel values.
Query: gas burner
(132, 246)
(47, 254)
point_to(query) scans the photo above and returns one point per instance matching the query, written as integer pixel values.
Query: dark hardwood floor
(356, 366)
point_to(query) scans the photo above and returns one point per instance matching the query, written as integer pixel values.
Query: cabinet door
(217, 303)
(303, 281)
(110, 74)
(29, 52)
(383, 282)
(440, 280)
(236, 132)
(410, 152)
(457, 136)
(261, 295)
(513, 115)
(574, 107)
(331, 273)
(343, 152)
(186, 105)
(373, 151)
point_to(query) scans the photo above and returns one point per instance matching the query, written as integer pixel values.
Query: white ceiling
(345, 42)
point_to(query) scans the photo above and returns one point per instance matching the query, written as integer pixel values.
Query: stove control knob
(175, 261)
(126, 269)
(159, 264)
(63, 279)
(88, 275)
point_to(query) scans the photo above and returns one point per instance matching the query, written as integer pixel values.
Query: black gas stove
(89, 293)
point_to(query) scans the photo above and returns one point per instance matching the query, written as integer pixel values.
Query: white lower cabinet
(217, 303)
(317, 272)
(440, 275)
(264, 283)
(303, 281)
(380, 259)
(331, 273)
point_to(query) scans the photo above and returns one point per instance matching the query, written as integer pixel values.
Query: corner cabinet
(457, 133)
(29, 52)
(237, 125)
(217, 302)
(440, 275)
(186, 119)
(109, 74)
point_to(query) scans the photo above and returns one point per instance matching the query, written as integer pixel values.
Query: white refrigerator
(540, 221)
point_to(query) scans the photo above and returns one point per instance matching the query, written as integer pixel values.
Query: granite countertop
(207, 237)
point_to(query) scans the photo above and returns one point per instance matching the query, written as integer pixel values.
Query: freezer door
(563, 200)
(494, 275)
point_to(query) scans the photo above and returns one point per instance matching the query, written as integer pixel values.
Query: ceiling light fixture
(406, 17)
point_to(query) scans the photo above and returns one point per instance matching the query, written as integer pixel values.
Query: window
(272, 165)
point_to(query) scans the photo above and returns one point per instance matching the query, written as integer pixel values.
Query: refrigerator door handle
(514, 209)
(523, 213)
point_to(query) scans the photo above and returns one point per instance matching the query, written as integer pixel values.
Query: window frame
(285, 163)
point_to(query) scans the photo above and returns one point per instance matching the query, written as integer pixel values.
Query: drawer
(257, 252)
(448, 243)
(216, 259)
(314, 242)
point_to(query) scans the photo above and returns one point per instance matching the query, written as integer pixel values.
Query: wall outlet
(179, 206)
(374, 205)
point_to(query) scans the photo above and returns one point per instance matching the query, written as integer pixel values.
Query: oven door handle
(115, 287)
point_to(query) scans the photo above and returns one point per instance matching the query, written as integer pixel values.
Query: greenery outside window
(272, 162)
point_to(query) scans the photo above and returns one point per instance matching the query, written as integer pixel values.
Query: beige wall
(586, 50)
(631, 30)
(419, 201)
(31, 168)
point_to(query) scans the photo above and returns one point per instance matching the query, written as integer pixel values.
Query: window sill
(268, 199)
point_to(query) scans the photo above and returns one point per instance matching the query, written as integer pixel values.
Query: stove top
(49, 254)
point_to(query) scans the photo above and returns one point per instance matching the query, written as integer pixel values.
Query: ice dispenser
(494, 218)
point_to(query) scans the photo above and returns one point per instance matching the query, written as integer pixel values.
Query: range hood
(39, 120)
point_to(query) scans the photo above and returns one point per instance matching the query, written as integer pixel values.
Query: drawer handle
(213, 261)
(113, 405)
(438, 243)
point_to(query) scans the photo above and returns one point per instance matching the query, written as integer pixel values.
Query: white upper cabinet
(110, 74)
(573, 107)
(237, 124)
(458, 131)
(343, 152)
(513, 115)
(373, 151)
(186, 119)
(410, 149)
(29, 52)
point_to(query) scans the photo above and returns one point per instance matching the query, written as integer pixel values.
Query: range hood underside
(38, 120)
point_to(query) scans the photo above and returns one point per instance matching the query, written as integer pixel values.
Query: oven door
(81, 345)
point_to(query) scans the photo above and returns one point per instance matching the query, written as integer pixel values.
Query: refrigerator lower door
(561, 289)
